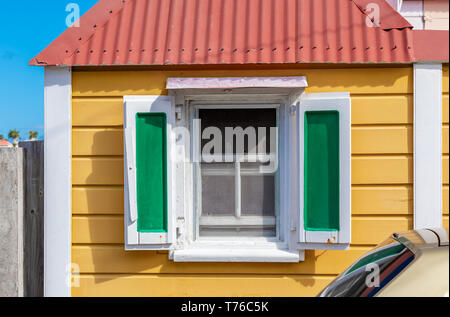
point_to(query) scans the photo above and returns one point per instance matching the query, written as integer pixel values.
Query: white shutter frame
(135, 240)
(340, 102)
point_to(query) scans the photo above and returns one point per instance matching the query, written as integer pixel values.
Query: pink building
(5, 143)
(424, 14)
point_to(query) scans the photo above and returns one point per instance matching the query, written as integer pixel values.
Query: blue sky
(26, 28)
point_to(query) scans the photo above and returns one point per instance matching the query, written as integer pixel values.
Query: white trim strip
(57, 181)
(235, 255)
(427, 146)
(230, 221)
(236, 82)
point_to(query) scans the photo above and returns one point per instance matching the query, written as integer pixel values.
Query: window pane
(244, 118)
(218, 189)
(237, 232)
(258, 195)
(222, 214)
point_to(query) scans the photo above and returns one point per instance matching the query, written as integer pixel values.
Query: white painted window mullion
(237, 176)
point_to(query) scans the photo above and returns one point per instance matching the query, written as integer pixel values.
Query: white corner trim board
(57, 181)
(427, 146)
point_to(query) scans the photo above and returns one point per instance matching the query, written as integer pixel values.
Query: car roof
(423, 238)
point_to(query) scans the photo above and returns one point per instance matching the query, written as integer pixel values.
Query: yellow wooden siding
(97, 200)
(366, 200)
(445, 194)
(176, 285)
(114, 259)
(445, 104)
(365, 140)
(366, 109)
(354, 80)
(365, 170)
(97, 141)
(445, 139)
(109, 229)
(445, 169)
(382, 193)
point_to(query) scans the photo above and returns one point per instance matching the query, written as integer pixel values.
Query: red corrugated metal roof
(175, 32)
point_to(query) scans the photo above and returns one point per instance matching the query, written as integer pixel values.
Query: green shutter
(321, 182)
(151, 168)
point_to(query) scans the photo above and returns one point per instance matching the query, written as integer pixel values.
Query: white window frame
(196, 148)
(239, 249)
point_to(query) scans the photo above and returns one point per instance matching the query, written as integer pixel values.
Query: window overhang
(236, 82)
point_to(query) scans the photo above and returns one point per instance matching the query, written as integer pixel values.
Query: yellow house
(343, 110)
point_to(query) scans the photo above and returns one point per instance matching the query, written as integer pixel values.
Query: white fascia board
(427, 146)
(57, 181)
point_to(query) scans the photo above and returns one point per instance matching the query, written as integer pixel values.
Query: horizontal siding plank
(373, 109)
(382, 140)
(365, 140)
(97, 142)
(445, 194)
(365, 170)
(97, 112)
(445, 169)
(105, 229)
(110, 229)
(153, 82)
(396, 200)
(373, 230)
(382, 170)
(98, 200)
(382, 109)
(97, 171)
(388, 200)
(199, 286)
(445, 108)
(445, 140)
(114, 259)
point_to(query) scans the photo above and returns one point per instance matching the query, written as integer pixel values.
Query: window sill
(236, 255)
